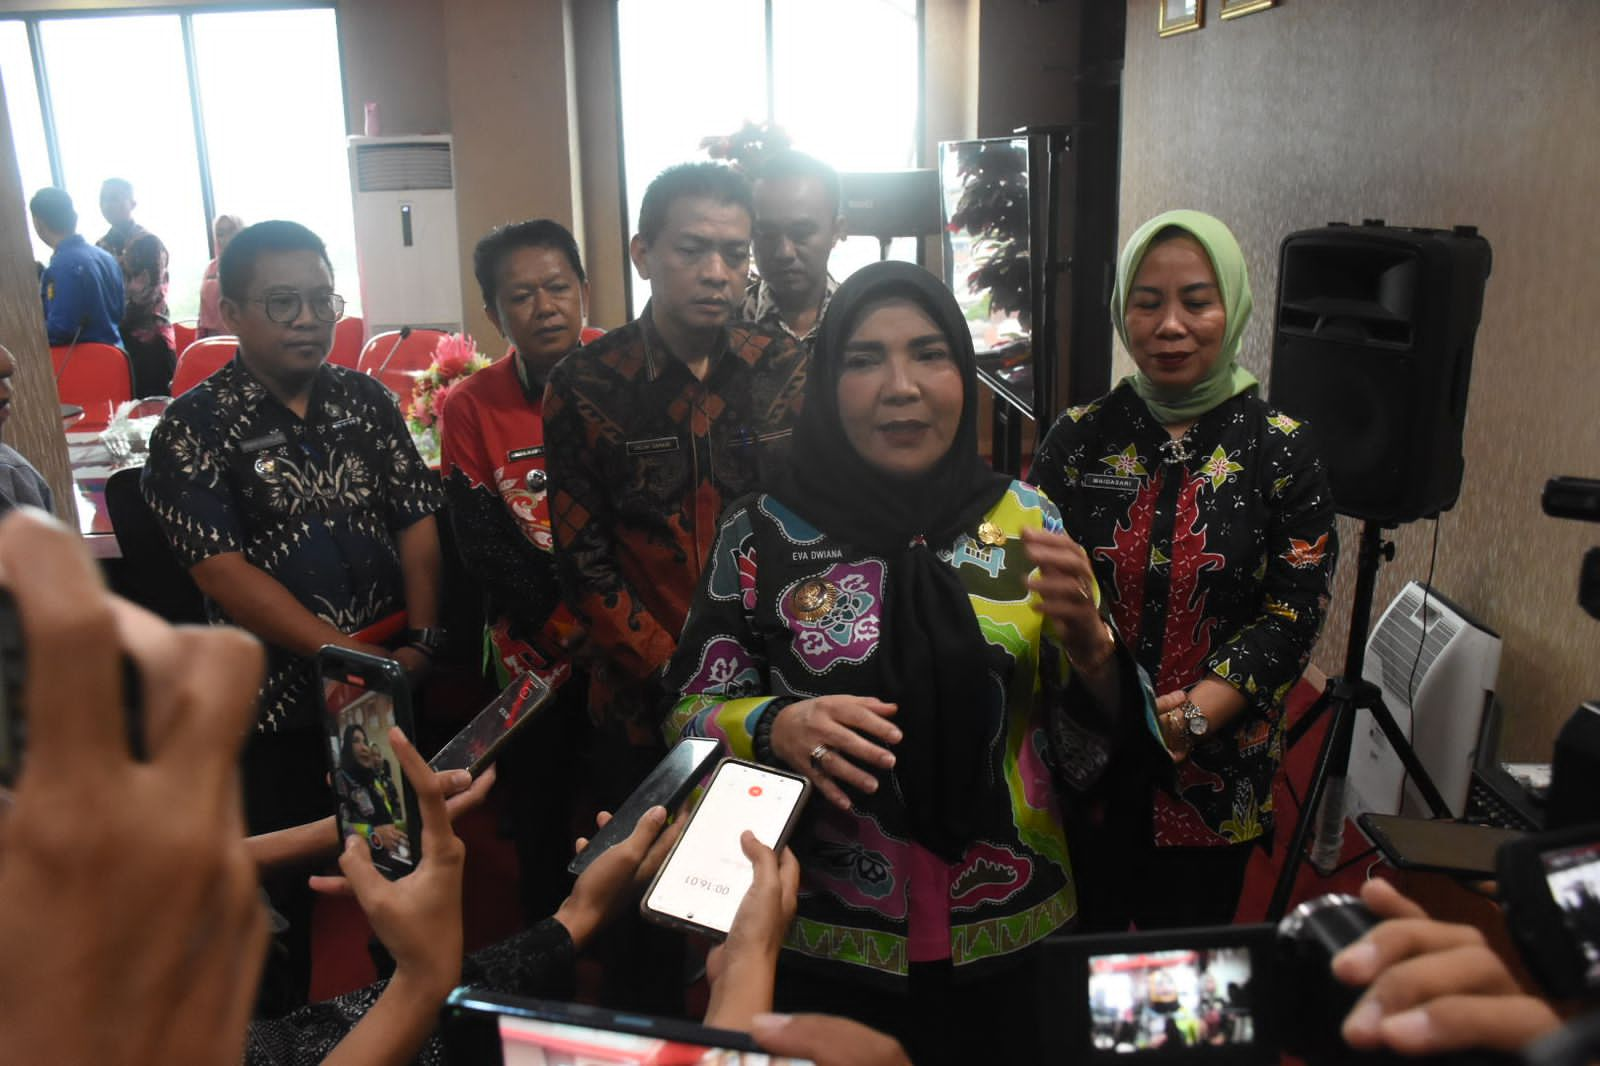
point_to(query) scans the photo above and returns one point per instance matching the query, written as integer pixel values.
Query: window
(27, 120)
(124, 92)
(843, 85)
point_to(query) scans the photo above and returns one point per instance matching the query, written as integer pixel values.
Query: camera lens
(1317, 1003)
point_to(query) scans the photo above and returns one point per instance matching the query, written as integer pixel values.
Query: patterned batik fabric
(756, 635)
(492, 456)
(1217, 551)
(761, 307)
(316, 503)
(642, 458)
(143, 259)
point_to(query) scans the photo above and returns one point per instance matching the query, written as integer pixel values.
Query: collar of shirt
(761, 306)
(658, 356)
(254, 394)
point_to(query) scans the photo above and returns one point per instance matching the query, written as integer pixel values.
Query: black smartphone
(1432, 846)
(1550, 889)
(363, 697)
(13, 712)
(668, 785)
(706, 875)
(477, 745)
(498, 1030)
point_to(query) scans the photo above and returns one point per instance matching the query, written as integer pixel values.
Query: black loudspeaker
(1373, 346)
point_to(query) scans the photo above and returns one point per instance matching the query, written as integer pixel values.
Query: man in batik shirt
(294, 494)
(146, 328)
(797, 224)
(652, 428)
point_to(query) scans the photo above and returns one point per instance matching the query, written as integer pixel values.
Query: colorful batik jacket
(642, 457)
(747, 645)
(1217, 552)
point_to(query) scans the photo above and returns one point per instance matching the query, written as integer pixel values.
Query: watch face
(1197, 724)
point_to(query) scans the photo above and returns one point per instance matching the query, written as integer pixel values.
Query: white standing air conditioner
(1454, 679)
(406, 246)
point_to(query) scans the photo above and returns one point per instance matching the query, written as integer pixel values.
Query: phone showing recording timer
(700, 886)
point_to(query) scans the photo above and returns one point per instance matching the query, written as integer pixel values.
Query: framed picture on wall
(1232, 9)
(1180, 16)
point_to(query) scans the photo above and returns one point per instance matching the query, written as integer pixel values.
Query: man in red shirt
(493, 461)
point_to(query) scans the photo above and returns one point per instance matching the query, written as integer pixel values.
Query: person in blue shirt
(82, 286)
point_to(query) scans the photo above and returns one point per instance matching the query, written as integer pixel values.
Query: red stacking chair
(183, 335)
(96, 377)
(347, 338)
(200, 360)
(397, 360)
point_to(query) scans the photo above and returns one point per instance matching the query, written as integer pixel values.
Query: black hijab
(932, 655)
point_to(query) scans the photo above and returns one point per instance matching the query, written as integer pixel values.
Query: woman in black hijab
(915, 634)
(367, 791)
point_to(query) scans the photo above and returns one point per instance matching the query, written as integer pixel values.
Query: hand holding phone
(480, 743)
(743, 968)
(616, 878)
(705, 878)
(668, 785)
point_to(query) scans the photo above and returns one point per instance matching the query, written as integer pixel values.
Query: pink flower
(452, 354)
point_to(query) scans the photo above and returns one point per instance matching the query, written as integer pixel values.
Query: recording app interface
(366, 774)
(1573, 875)
(533, 1042)
(708, 874)
(1167, 1000)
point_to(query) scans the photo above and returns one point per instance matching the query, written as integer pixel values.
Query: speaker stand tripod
(1345, 696)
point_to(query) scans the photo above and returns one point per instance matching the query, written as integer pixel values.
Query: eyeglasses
(284, 307)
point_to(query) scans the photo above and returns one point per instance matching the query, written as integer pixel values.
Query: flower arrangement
(748, 146)
(455, 358)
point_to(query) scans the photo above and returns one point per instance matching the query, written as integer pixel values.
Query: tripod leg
(1343, 713)
(1373, 702)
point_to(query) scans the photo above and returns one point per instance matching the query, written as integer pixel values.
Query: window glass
(119, 90)
(690, 69)
(27, 121)
(275, 137)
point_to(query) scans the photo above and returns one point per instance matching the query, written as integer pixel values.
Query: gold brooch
(990, 534)
(813, 599)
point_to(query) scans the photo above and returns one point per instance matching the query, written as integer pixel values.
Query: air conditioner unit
(407, 251)
(1441, 714)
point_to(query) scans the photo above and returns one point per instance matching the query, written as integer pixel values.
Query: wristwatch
(1195, 722)
(428, 639)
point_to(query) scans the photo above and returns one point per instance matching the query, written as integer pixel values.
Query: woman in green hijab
(1208, 518)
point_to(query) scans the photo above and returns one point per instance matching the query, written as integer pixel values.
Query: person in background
(82, 286)
(1209, 519)
(20, 484)
(222, 231)
(146, 328)
(492, 456)
(798, 222)
(293, 493)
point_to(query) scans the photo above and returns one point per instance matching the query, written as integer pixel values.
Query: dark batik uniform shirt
(642, 457)
(761, 307)
(316, 503)
(1217, 551)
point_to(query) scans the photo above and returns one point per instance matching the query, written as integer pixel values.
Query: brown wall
(1428, 112)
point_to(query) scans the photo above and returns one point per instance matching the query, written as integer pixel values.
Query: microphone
(72, 345)
(405, 331)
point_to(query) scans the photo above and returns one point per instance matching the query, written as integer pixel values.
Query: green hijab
(1227, 378)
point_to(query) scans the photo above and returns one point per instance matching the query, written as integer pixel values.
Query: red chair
(397, 361)
(183, 335)
(347, 338)
(96, 377)
(200, 360)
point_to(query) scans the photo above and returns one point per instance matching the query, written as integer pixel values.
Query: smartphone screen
(372, 800)
(476, 746)
(706, 876)
(667, 786)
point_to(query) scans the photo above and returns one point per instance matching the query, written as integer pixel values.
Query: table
(92, 464)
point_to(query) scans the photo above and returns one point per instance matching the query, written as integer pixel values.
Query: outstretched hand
(616, 878)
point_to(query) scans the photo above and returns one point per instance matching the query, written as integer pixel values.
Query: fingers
(1171, 701)
(453, 782)
(762, 861)
(1456, 1023)
(476, 793)
(215, 705)
(658, 850)
(1457, 972)
(73, 683)
(438, 839)
(865, 716)
(1386, 901)
(1396, 940)
(362, 878)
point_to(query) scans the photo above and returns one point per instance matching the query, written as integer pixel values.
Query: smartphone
(700, 886)
(13, 712)
(1550, 890)
(476, 746)
(497, 1030)
(667, 786)
(364, 696)
(1433, 846)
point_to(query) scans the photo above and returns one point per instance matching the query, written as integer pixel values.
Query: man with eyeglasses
(292, 491)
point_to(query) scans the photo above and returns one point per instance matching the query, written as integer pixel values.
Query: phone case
(674, 922)
(606, 838)
(388, 676)
(481, 740)
(1376, 828)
